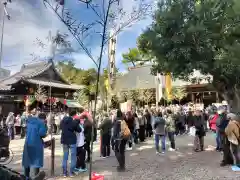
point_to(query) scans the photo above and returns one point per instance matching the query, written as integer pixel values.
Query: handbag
(47, 142)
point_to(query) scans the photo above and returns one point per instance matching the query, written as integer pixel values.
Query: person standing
(81, 152)
(200, 131)
(51, 123)
(130, 122)
(88, 127)
(170, 128)
(23, 124)
(159, 131)
(10, 125)
(119, 142)
(190, 120)
(149, 123)
(136, 128)
(58, 121)
(105, 130)
(69, 129)
(233, 134)
(180, 122)
(33, 152)
(221, 123)
(212, 124)
(142, 123)
(17, 124)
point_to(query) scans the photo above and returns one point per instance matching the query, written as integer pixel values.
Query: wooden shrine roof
(31, 72)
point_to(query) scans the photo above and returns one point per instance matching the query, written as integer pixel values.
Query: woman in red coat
(213, 127)
(212, 122)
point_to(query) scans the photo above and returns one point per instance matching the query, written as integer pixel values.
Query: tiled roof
(54, 84)
(141, 78)
(136, 78)
(27, 71)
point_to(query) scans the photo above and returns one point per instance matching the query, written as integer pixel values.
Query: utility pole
(5, 14)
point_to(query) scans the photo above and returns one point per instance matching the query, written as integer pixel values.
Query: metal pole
(52, 138)
(1, 52)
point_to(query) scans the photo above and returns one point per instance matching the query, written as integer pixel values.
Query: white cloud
(28, 23)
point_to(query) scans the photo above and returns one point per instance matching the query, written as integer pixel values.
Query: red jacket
(212, 122)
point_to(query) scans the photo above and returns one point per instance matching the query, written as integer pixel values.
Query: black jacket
(88, 125)
(117, 130)
(222, 122)
(106, 126)
(69, 128)
(198, 122)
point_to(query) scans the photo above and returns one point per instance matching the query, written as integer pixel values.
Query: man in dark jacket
(118, 142)
(88, 127)
(149, 132)
(69, 128)
(198, 123)
(221, 123)
(105, 128)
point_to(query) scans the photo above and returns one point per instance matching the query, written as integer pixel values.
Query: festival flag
(107, 84)
(159, 86)
(168, 83)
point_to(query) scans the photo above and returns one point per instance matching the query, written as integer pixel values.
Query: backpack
(125, 132)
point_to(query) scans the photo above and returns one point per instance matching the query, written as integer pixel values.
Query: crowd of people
(16, 123)
(120, 130)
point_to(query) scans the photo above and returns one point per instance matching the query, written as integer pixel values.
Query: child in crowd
(81, 152)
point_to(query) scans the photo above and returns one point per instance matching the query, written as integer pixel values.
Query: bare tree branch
(116, 13)
(77, 30)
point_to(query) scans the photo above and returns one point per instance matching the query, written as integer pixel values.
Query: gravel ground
(143, 163)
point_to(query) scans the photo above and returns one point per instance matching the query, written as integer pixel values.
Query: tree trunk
(233, 100)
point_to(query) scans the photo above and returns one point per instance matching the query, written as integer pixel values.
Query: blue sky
(30, 20)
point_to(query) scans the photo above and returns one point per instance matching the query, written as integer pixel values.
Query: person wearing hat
(233, 135)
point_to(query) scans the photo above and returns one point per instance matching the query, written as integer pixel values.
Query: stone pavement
(143, 163)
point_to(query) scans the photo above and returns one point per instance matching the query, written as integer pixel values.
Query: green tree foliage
(74, 75)
(201, 35)
(135, 57)
(88, 78)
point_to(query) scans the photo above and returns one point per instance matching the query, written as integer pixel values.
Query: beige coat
(233, 132)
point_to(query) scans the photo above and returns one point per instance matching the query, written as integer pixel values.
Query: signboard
(126, 106)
